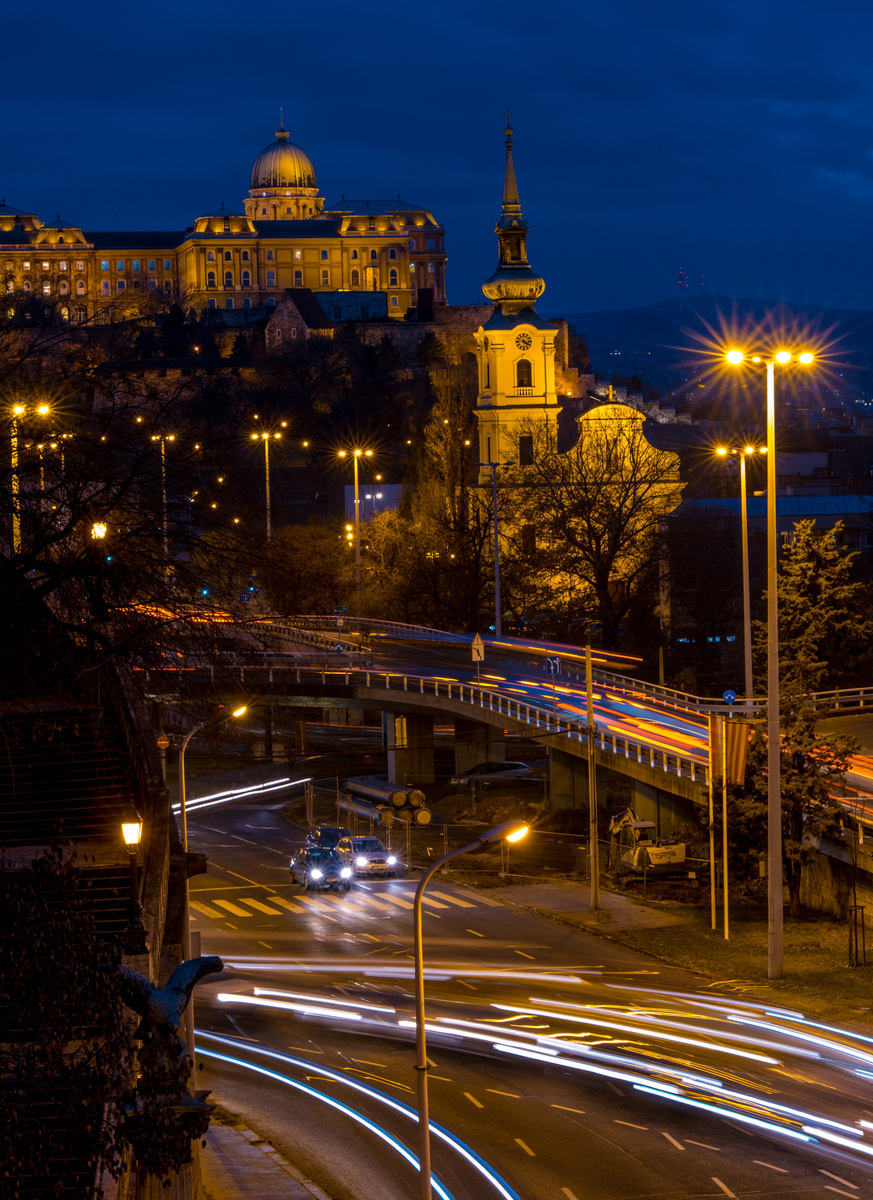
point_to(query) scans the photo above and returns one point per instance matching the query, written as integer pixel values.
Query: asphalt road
(541, 1038)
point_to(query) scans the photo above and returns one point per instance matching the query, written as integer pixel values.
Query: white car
(484, 774)
(368, 856)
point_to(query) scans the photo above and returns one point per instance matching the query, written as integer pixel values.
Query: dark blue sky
(734, 140)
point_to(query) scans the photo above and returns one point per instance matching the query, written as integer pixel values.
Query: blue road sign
(339, 648)
(729, 697)
(554, 665)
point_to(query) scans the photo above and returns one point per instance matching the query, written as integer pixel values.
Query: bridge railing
(649, 752)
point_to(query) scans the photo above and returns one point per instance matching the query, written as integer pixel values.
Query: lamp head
(735, 357)
(783, 357)
(806, 358)
(721, 450)
(98, 530)
(42, 409)
(131, 831)
(238, 712)
(511, 831)
(341, 453)
(18, 409)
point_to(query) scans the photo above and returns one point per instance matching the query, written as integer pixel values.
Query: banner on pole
(736, 745)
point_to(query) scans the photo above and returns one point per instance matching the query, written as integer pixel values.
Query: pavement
(571, 903)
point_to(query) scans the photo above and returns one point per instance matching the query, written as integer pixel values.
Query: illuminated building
(285, 238)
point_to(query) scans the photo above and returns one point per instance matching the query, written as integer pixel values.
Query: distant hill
(668, 342)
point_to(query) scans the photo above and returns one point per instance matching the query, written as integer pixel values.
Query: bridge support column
(409, 741)
(568, 780)
(476, 743)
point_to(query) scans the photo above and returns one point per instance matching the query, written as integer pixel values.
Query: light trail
(257, 789)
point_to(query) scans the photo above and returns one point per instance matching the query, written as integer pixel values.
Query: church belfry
(515, 347)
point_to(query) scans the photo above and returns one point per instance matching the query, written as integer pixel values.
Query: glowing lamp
(805, 358)
(43, 409)
(721, 450)
(518, 834)
(783, 357)
(238, 712)
(98, 530)
(18, 409)
(735, 357)
(131, 831)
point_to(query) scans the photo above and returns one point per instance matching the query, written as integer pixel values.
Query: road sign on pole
(554, 665)
(340, 622)
(340, 610)
(478, 649)
(339, 648)
(729, 697)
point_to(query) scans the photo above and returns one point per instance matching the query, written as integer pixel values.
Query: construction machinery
(635, 846)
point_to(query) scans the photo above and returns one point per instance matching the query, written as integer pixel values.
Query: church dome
(283, 165)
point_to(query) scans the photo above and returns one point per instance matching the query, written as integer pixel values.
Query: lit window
(46, 266)
(392, 254)
(246, 279)
(324, 255)
(212, 302)
(120, 264)
(62, 266)
(270, 256)
(354, 254)
(431, 244)
(298, 254)
(104, 265)
(227, 226)
(229, 302)
(271, 279)
(46, 289)
(210, 279)
(356, 278)
(10, 286)
(26, 285)
(325, 278)
(120, 285)
(228, 279)
(80, 266)
(136, 264)
(166, 264)
(65, 313)
(245, 256)
(228, 257)
(152, 265)
(247, 303)
(210, 256)
(104, 287)
(27, 266)
(393, 301)
(80, 287)
(298, 279)
(392, 278)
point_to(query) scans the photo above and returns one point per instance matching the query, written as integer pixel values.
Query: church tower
(515, 347)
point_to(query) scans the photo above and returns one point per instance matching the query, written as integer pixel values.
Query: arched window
(247, 303)
(245, 256)
(271, 302)
(523, 373)
(393, 301)
(80, 287)
(373, 255)
(354, 254)
(487, 374)
(356, 278)
(228, 278)
(210, 279)
(392, 278)
(392, 253)
(246, 279)
(63, 287)
(228, 257)
(210, 257)
(229, 302)
(65, 313)
(212, 302)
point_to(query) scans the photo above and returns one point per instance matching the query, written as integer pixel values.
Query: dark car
(484, 774)
(368, 856)
(327, 836)
(322, 870)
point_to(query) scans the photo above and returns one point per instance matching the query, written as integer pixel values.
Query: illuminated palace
(284, 238)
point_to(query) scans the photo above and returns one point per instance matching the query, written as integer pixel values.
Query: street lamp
(511, 831)
(774, 762)
(162, 438)
(498, 623)
(19, 410)
(743, 451)
(186, 928)
(131, 831)
(356, 454)
(264, 436)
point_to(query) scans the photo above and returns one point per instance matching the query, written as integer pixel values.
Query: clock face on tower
(524, 341)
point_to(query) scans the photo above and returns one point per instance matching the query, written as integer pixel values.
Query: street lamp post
(744, 524)
(186, 926)
(131, 830)
(498, 621)
(161, 438)
(511, 831)
(357, 454)
(264, 435)
(774, 760)
(19, 410)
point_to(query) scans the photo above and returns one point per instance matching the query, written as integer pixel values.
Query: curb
(279, 1159)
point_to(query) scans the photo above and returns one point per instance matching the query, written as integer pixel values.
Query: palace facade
(285, 237)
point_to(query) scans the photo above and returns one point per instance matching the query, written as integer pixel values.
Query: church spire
(511, 203)
(513, 286)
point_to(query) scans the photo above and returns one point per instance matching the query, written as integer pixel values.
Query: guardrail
(683, 766)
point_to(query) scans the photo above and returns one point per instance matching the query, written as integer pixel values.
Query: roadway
(542, 1038)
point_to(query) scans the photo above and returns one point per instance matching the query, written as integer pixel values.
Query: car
(368, 856)
(327, 836)
(322, 870)
(484, 774)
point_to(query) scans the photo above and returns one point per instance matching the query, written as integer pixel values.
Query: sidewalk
(235, 1164)
(571, 903)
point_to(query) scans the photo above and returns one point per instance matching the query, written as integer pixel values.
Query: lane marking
(242, 839)
(264, 908)
(204, 909)
(453, 899)
(289, 904)
(234, 908)
(441, 1078)
(366, 899)
(514, 1095)
(830, 1175)
(475, 933)
(630, 1124)
(564, 1108)
(305, 1049)
(433, 903)
(724, 1187)
(473, 1100)
(367, 1063)
(251, 882)
(839, 1191)
(317, 903)
(706, 1146)
(738, 1128)
(617, 1090)
(568, 1193)
(669, 1138)
(266, 945)
(523, 955)
(526, 1148)
(395, 900)
(758, 1163)
(228, 925)
(471, 986)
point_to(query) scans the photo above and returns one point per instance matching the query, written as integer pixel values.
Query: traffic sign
(340, 621)
(554, 665)
(729, 697)
(245, 597)
(478, 648)
(163, 742)
(340, 610)
(339, 648)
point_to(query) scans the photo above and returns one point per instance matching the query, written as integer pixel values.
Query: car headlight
(315, 873)
(391, 860)
(361, 861)
(346, 872)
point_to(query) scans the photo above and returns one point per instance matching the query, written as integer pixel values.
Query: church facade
(285, 237)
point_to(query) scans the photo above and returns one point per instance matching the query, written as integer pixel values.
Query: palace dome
(283, 165)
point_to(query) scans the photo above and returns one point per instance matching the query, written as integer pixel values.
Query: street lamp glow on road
(782, 358)
(510, 831)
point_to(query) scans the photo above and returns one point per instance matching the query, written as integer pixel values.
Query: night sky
(732, 140)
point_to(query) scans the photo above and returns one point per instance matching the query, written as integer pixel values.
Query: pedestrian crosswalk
(360, 899)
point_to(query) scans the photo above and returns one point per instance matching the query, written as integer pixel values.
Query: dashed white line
(672, 1140)
(565, 1108)
(770, 1166)
(617, 1091)
(738, 1128)
(630, 1124)
(514, 1095)
(526, 1148)
(840, 1191)
(523, 955)
(837, 1178)
(471, 986)
(567, 1192)
(724, 1187)
(706, 1146)
(475, 934)
(266, 945)
(473, 1100)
